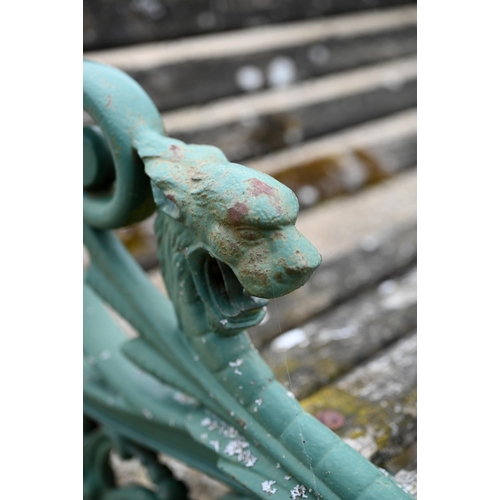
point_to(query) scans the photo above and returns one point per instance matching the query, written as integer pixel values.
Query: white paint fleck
(238, 372)
(289, 339)
(258, 402)
(287, 478)
(147, 413)
(212, 425)
(298, 491)
(230, 432)
(249, 460)
(291, 395)
(216, 445)
(281, 71)
(234, 364)
(267, 487)
(223, 321)
(237, 448)
(249, 78)
(204, 436)
(384, 472)
(278, 465)
(184, 399)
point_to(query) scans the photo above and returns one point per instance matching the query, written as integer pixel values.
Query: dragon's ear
(165, 202)
(151, 145)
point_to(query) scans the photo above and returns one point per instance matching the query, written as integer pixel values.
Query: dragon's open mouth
(232, 307)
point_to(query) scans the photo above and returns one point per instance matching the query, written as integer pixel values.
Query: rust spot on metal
(258, 187)
(242, 423)
(333, 419)
(176, 152)
(237, 212)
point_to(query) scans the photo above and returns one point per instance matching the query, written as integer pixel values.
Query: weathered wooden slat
(367, 135)
(172, 87)
(364, 238)
(311, 356)
(255, 40)
(254, 125)
(378, 401)
(111, 23)
(345, 161)
(390, 74)
(167, 70)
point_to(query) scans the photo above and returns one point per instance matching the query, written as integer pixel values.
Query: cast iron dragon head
(245, 243)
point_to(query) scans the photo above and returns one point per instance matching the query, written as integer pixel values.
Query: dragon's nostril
(297, 270)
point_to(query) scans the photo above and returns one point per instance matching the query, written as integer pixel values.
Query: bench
(345, 343)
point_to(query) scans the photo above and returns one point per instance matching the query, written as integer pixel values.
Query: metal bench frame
(191, 384)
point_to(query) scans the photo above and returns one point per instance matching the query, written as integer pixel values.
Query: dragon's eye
(249, 234)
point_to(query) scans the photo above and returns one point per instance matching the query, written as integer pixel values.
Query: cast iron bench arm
(191, 384)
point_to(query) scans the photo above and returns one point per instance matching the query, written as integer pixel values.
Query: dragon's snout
(292, 260)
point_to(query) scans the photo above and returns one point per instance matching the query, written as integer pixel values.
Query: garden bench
(342, 136)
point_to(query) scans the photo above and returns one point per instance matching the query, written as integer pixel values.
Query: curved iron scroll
(191, 384)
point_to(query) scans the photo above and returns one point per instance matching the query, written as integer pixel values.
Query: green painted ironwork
(191, 384)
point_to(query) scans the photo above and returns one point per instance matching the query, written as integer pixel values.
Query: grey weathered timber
(378, 401)
(309, 110)
(166, 84)
(345, 161)
(255, 40)
(328, 177)
(311, 356)
(341, 144)
(111, 23)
